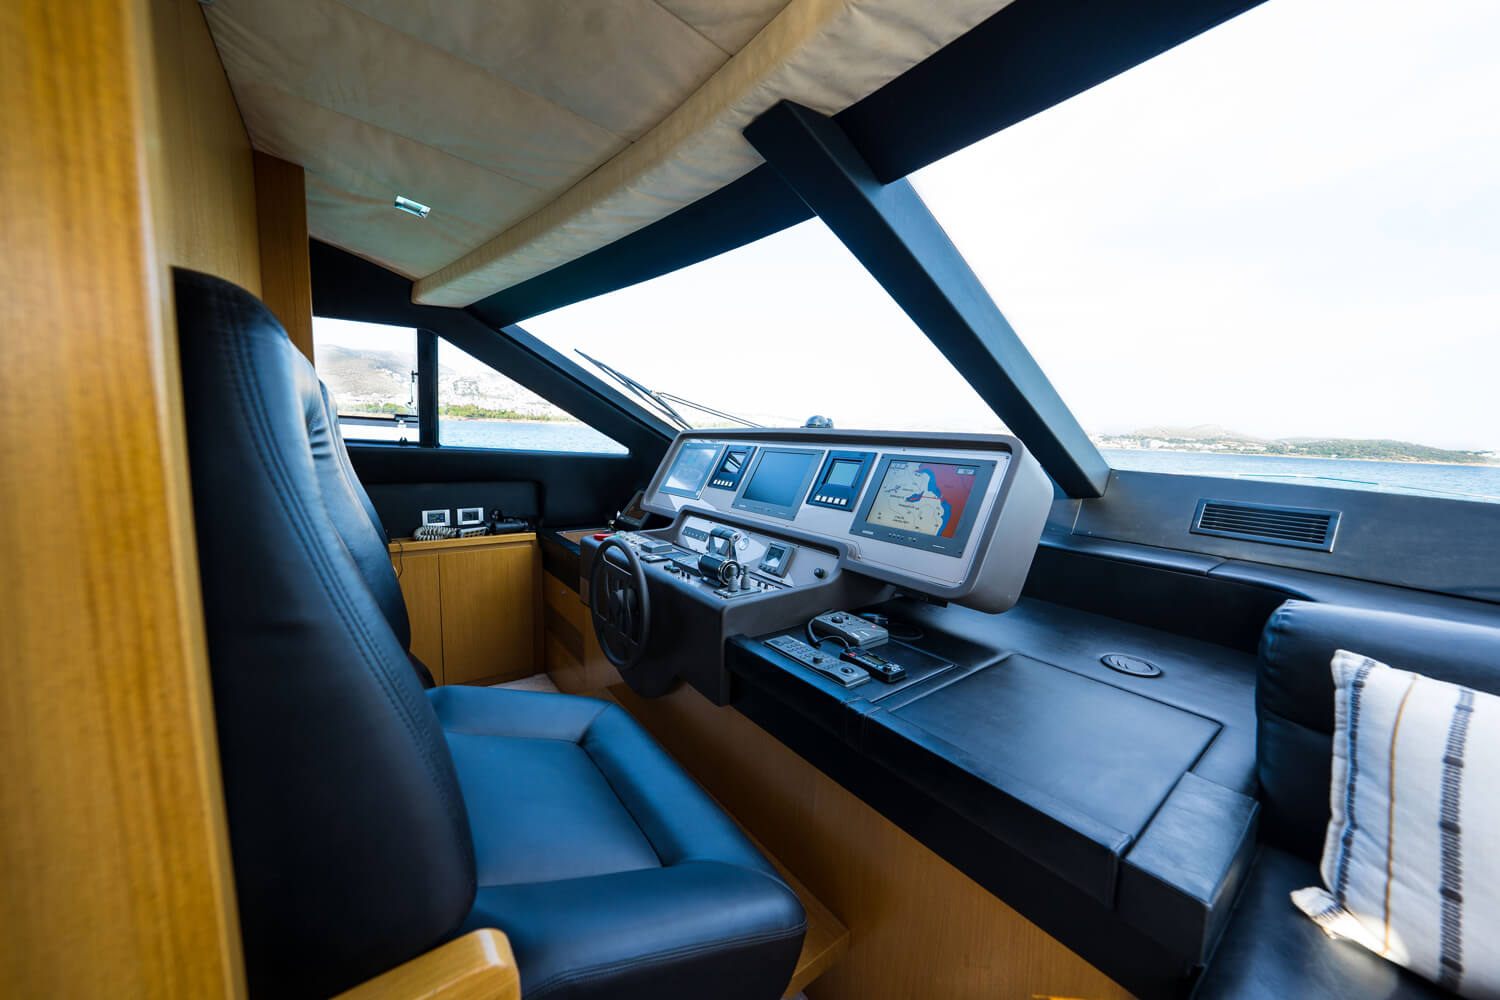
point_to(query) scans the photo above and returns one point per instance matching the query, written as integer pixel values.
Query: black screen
(732, 462)
(778, 478)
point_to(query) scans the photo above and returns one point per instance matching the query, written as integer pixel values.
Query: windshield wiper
(664, 400)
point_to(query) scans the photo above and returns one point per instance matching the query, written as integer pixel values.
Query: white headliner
(540, 130)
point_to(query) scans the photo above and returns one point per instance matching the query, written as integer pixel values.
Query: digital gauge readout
(928, 498)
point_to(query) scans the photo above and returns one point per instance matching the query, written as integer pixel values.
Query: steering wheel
(620, 604)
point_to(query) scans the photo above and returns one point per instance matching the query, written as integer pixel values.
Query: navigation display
(843, 472)
(734, 460)
(778, 478)
(694, 462)
(927, 498)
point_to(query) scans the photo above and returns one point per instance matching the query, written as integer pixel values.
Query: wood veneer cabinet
(474, 606)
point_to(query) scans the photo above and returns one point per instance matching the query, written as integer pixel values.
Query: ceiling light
(414, 207)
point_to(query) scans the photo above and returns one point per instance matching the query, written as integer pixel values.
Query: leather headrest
(350, 841)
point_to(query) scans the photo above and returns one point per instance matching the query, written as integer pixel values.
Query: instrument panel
(955, 517)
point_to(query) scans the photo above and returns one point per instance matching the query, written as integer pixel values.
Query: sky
(1289, 226)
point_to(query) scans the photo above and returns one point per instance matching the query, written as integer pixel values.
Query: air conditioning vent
(1296, 526)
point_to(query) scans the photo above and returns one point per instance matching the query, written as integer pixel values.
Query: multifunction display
(731, 467)
(924, 503)
(778, 480)
(695, 460)
(837, 486)
(842, 472)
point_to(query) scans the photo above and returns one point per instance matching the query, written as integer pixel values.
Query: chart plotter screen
(928, 498)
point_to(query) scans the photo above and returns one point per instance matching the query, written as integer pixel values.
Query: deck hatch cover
(1300, 527)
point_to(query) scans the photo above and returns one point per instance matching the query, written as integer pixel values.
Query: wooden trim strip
(414, 545)
(285, 271)
(112, 826)
(565, 633)
(477, 966)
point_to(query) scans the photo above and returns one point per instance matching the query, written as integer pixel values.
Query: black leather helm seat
(369, 820)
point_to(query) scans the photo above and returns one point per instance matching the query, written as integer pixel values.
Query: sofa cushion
(612, 873)
(1294, 699)
(1273, 952)
(1409, 866)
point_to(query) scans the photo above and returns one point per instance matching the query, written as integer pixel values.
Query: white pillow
(1411, 863)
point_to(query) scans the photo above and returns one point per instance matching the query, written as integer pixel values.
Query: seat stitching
(685, 860)
(504, 736)
(589, 726)
(576, 741)
(280, 477)
(625, 806)
(768, 876)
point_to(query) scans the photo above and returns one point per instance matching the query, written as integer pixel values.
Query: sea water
(1461, 482)
(526, 435)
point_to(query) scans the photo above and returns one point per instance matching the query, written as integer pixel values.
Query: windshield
(1272, 251)
(773, 332)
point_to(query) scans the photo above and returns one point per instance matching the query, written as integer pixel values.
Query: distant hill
(1198, 432)
(365, 376)
(380, 381)
(1219, 440)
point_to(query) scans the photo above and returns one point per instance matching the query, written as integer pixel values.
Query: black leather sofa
(1270, 950)
(370, 820)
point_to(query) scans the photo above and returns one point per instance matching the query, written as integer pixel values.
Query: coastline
(514, 420)
(1311, 458)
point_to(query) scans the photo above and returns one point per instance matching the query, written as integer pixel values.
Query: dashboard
(952, 517)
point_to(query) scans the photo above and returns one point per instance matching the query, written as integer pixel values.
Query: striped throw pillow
(1411, 863)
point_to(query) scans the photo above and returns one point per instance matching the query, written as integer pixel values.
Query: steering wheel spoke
(620, 603)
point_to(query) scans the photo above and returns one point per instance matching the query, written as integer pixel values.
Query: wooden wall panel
(472, 603)
(285, 274)
(573, 657)
(420, 586)
(490, 612)
(112, 831)
(206, 194)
